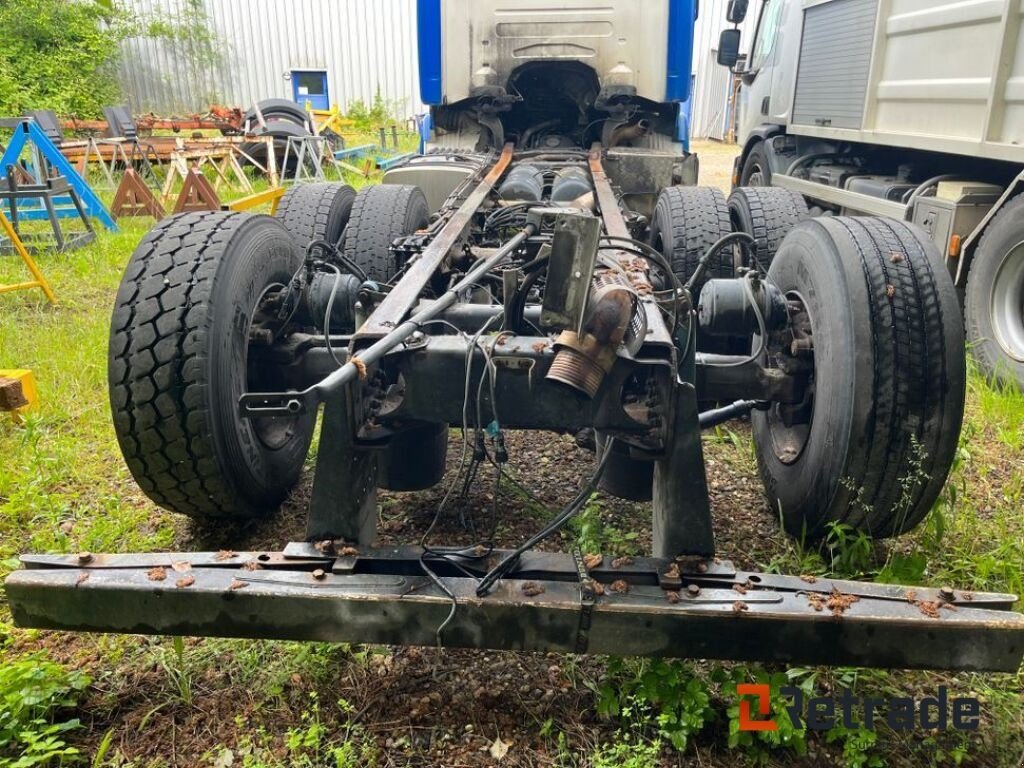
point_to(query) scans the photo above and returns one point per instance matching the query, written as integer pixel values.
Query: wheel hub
(1007, 310)
(273, 432)
(790, 425)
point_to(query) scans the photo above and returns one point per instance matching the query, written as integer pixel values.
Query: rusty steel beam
(646, 607)
(398, 303)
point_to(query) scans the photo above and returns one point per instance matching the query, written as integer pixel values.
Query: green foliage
(667, 694)
(59, 55)
(369, 117)
(33, 692)
(625, 754)
(595, 535)
(312, 745)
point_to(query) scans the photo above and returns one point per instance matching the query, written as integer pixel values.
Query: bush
(59, 55)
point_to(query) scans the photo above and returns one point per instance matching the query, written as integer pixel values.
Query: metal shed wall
(365, 46)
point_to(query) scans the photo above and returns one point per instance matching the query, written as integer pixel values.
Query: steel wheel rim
(788, 443)
(1007, 307)
(273, 432)
(756, 178)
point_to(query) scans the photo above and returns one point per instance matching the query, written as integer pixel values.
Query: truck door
(760, 74)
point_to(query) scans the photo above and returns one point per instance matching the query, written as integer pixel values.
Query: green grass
(64, 488)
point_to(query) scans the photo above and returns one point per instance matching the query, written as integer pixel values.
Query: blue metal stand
(28, 133)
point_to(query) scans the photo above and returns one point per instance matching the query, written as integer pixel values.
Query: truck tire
(888, 385)
(381, 215)
(414, 460)
(178, 363)
(995, 298)
(767, 214)
(686, 222)
(279, 109)
(316, 212)
(756, 172)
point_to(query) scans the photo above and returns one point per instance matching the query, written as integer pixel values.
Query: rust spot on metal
(237, 585)
(349, 552)
(185, 582)
(251, 565)
(82, 578)
(159, 573)
(673, 597)
(591, 562)
(816, 601)
(621, 586)
(929, 608)
(809, 579)
(597, 587)
(360, 368)
(622, 562)
(672, 572)
(839, 603)
(224, 555)
(532, 589)
(739, 588)
(182, 566)
(539, 346)
(739, 607)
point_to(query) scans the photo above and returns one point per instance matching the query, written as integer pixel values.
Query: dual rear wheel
(880, 327)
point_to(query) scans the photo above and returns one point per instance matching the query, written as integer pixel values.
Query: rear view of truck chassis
(511, 309)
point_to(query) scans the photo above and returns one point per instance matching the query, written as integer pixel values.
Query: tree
(60, 55)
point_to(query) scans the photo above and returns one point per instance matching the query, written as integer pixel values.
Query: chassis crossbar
(648, 607)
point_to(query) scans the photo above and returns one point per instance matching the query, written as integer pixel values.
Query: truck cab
(555, 77)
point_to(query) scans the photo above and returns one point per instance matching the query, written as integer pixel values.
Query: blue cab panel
(428, 32)
(682, 14)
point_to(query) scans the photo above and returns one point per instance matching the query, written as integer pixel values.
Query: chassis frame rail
(643, 606)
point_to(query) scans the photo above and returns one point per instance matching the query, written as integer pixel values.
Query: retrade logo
(763, 694)
(900, 713)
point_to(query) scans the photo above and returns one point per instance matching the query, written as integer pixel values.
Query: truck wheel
(872, 444)
(756, 172)
(767, 214)
(316, 212)
(380, 215)
(179, 361)
(995, 298)
(687, 221)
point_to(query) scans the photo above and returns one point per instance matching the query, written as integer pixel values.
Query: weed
(33, 693)
(625, 754)
(593, 534)
(667, 694)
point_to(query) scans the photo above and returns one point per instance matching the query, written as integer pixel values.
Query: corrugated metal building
(352, 49)
(363, 47)
(710, 114)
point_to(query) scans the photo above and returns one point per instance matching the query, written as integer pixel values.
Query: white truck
(911, 109)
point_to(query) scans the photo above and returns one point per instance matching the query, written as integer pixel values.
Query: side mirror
(737, 11)
(729, 48)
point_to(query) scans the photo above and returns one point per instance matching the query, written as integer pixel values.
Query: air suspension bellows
(584, 357)
(524, 183)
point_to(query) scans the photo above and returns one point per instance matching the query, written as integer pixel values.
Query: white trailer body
(912, 109)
